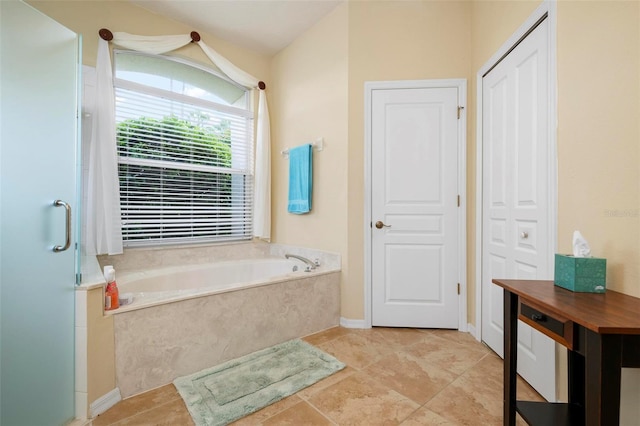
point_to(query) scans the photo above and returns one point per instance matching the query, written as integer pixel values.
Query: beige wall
(308, 101)
(101, 377)
(393, 40)
(598, 134)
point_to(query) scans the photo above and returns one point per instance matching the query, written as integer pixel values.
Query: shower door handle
(67, 243)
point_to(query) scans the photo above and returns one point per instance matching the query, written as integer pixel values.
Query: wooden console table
(602, 335)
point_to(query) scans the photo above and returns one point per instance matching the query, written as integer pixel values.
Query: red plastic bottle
(111, 292)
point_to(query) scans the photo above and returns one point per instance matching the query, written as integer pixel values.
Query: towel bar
(318, 145)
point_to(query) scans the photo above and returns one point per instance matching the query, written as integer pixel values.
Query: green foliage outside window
(199, 198)
(173, 139)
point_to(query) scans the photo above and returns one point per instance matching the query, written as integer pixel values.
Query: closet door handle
(67, 243)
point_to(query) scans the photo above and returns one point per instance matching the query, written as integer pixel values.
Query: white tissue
(580, 245)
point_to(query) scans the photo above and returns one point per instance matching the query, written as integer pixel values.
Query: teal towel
(300, 179)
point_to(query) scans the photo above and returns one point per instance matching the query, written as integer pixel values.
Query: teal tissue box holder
(580, 274)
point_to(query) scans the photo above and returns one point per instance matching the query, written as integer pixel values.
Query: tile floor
(393, 376)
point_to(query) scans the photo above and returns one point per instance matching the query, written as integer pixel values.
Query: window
(185, 152)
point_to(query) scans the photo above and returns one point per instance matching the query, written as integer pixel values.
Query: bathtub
(189, 315)
(167, 285)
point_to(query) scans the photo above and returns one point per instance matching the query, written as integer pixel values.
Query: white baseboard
(351, 323)
(105, 402)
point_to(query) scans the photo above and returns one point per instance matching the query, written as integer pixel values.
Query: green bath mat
(229, 391)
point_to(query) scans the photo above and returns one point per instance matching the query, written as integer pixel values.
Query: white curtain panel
(262, 193)
(230, 70)
(104, 227)
(104, 231)
(262, 173)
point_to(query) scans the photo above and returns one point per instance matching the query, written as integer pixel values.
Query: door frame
(461, 85)
(548, 9)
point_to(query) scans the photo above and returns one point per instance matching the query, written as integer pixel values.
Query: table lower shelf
(547, 413)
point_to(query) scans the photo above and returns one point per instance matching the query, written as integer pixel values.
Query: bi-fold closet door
(515, 192)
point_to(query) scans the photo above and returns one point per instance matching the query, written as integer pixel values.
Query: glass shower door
(38, 133)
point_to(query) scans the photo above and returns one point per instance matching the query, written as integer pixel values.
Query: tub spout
(312, 265)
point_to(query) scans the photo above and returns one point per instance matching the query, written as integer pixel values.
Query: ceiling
(265, 26)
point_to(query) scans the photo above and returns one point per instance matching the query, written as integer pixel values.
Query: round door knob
(380, 225)
(524, 235)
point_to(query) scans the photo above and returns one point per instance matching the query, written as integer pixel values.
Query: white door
(414, 184)
(515, 193)
(38, 134)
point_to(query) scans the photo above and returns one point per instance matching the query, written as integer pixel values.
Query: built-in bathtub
(171, 284)
(197, 308)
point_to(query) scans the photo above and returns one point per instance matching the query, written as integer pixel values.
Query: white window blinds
(185, 162)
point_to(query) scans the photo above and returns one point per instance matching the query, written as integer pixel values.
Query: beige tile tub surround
(144, 258)
(155, 345)
(139, 259)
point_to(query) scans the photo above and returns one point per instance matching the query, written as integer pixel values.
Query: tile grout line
(375, 379)
(321, 413)
(274, 414)
(155, 407)
(452, 382)
(394, 350)
(406, 397)
(421, 406)
(476, 363)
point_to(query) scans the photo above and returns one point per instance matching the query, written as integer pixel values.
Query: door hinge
(460, 108)
(458, 201)
(458, 288)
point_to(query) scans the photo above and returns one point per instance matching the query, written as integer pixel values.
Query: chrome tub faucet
(310, 264)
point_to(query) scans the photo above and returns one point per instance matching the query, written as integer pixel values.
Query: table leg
(510, 356)
(603, 360)
(575, 364)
